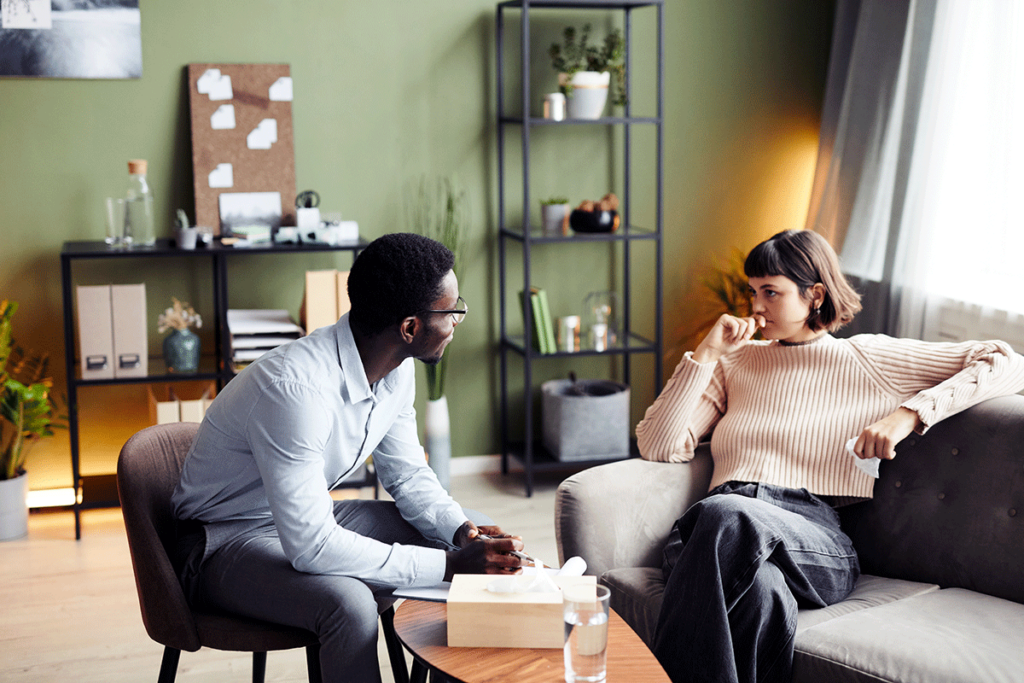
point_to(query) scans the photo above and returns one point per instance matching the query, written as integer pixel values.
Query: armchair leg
(395, 652)
(169, 665)
(314, 673)
(259, 666)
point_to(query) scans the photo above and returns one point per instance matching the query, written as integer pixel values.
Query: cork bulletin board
(243, 146)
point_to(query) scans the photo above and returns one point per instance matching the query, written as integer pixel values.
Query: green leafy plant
(437, 209)
(574, 55)
(554, 201)
(181, 220)
(27, 410)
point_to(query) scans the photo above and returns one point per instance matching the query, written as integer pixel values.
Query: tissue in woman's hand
(869, 466)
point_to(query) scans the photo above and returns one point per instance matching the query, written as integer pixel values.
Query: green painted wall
(388, 90)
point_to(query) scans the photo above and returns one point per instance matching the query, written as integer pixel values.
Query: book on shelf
(543, 337)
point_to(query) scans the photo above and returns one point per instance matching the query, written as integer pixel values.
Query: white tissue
(574, 566)
(538, 583)
(869, 466)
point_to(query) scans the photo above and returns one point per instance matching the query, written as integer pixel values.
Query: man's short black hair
(396, 276)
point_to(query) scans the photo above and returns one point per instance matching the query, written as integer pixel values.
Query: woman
(767, 539)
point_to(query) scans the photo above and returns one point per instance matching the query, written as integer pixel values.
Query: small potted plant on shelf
(554, 215)
(27, 414)
(181, 347)
(584, 71)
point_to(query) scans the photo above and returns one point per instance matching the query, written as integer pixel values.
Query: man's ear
(409, 328)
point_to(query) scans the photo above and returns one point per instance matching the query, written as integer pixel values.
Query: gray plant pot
(13, 508)
(593, 426)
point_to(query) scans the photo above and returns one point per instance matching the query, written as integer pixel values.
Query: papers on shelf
(253, 332)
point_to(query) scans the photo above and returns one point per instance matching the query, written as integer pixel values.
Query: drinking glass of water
(115, 213)
(585, 608)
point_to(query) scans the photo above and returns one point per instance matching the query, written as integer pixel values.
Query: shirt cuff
(432, 564)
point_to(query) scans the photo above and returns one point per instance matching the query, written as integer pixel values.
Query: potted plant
(554, 215)
(27, 414)
(584, 71)
(438, 210)
(181, 347)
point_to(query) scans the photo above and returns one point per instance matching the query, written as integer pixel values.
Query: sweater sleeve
(687, 409)
(942, 379)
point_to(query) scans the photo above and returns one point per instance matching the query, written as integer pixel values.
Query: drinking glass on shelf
(585, 608)
(115, 209)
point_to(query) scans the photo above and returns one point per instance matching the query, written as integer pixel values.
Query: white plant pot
(438, 439)
(555, 218)
(14, 508)
(589, 93)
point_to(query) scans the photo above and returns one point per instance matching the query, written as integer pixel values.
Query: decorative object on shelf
(585, 419)
(554, 106)
(114, 215)
(599, 216)
(601, 310)
(584, 71)
(27, 414)
(554, 214)
(181, 347)
(185, 236)
(569, 333)
(438, 210)
(139, 223)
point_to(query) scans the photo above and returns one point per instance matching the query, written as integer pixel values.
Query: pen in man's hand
(520, 555)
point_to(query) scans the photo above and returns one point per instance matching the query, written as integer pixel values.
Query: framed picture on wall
(71, 39)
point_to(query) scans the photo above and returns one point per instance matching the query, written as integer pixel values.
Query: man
(259, 534)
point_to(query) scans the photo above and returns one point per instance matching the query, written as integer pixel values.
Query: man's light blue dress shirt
(289, 428)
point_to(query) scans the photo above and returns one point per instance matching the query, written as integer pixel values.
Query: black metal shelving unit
(218, 370)
(530, 452)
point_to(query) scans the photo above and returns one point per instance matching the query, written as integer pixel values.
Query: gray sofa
(941, 546)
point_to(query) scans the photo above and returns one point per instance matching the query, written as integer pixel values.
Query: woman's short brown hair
(806, 258)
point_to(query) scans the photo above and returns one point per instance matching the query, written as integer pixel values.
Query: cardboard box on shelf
(180, 403)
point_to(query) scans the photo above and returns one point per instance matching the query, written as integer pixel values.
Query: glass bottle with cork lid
(139, 226)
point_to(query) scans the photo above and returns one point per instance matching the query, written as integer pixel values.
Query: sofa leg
(259, 666)
(169, 665)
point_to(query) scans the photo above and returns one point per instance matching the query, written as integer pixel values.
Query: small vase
(14, 508)
(181, 351)
(438, 438)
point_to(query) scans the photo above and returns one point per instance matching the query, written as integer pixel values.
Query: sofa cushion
(944, 636)
(870, 591)
(637, 595)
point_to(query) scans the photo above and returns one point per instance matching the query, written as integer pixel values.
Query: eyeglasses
(458, 314)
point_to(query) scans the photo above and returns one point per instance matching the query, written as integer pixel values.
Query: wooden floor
(69, 611)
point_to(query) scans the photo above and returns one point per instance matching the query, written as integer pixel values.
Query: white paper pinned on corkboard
(242, 137)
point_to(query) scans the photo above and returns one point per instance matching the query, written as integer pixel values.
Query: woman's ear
(817, 294)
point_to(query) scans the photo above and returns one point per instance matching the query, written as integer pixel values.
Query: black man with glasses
(259, 533)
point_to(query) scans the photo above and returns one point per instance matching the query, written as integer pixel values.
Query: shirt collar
(356, 385)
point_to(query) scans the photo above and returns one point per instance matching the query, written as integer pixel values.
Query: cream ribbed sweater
(783, 414)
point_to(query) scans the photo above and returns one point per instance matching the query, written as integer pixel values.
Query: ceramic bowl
(594, 221)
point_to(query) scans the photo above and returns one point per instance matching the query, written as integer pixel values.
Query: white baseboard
(481, 464)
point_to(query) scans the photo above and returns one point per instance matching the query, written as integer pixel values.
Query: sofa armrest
(620, 514)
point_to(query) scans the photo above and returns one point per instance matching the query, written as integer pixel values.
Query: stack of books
(253, 332)
(543, 329)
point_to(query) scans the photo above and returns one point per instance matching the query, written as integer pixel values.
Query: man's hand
(728, 334)
(879, 440)
(483, 556)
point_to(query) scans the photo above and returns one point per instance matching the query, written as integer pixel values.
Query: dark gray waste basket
(588, 426)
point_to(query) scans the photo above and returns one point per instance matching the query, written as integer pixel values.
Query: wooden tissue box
(479, 618)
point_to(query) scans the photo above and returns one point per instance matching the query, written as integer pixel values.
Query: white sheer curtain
(922, 164)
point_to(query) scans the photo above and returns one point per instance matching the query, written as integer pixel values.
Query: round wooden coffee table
(423, 629)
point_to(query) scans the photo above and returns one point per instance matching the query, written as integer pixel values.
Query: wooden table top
(423, 629)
